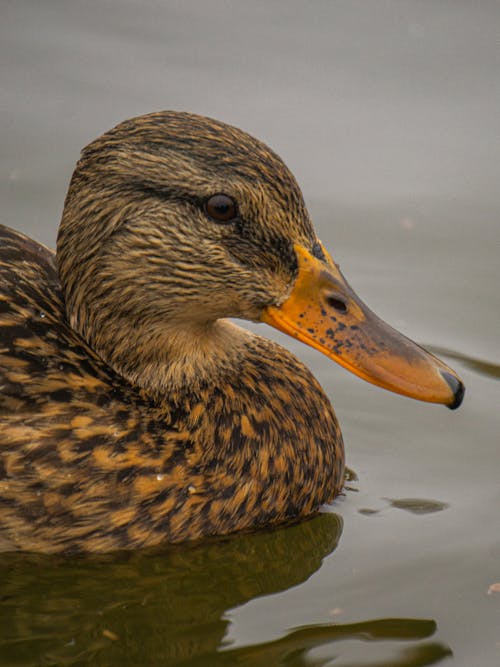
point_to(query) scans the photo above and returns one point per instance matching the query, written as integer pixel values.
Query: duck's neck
(172, 359)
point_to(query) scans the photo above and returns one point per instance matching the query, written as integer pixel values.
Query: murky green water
(388, 113)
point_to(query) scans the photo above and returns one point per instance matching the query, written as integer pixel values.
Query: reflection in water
(418, 505)
(480, 366)
(412, 505)
(293, 648)
(166, 607)
(170, 606)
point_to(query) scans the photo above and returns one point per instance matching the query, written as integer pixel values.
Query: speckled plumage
(131, 412)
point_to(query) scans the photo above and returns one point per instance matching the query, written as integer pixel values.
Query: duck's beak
(324, 312)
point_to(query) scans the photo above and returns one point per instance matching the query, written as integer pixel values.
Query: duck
(134, 412)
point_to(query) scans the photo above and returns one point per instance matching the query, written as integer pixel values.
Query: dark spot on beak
(317, 251)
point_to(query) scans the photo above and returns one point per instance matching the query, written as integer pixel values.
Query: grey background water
(388, 113)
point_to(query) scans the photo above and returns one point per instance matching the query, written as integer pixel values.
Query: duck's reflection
(168, 608)
(294, 649)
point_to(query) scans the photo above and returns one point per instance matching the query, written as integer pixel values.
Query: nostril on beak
(338, 304)
(456, 387)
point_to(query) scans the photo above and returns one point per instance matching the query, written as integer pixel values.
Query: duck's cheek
(324, 312)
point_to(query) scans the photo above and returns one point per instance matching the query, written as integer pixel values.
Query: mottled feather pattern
(118, 429)
(88, 464)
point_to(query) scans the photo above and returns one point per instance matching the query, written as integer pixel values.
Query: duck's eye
(221, 208)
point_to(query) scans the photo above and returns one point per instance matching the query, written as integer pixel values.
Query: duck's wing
(73, 435)
(42, 360)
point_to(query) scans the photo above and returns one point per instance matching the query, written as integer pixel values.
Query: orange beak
(324, 312)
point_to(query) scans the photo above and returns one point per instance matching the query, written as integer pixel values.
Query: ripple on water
(480, 366)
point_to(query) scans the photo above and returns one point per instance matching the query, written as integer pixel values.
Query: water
(388, 113)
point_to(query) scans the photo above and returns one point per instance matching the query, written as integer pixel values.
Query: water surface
(388, 113)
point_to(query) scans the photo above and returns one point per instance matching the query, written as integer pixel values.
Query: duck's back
(58, 402)
(41, 358)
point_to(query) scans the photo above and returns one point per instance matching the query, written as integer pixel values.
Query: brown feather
(131, 412)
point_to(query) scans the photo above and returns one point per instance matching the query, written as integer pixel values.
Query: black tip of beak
(456, 387)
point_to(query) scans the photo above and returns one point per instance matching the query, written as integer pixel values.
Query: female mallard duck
(131, 411)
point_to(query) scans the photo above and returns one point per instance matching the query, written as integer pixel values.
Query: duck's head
(174, 221)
